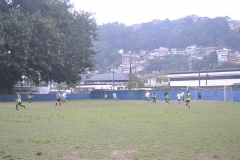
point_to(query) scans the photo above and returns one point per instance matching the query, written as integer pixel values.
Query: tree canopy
(171, 34)
(44, 40)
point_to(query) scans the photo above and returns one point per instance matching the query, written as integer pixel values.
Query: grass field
(123, 130)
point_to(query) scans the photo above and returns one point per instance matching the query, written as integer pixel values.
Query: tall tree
(13, 49)
(44, 40)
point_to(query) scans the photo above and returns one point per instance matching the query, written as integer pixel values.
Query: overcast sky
(140, 11)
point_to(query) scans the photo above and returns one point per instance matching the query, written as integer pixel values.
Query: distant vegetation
(181, 33)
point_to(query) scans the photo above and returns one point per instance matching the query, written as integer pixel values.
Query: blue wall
(131, 95)
(42, 97)
(140, 94)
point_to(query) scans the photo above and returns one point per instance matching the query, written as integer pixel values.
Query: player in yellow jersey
(19, 101)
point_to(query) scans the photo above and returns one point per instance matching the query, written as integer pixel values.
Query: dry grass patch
(122, 155)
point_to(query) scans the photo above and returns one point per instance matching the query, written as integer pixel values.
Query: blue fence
(218, 95)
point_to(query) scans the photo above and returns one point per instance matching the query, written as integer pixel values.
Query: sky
(131, 12)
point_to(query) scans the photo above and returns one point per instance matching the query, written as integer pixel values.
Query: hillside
(190, 30)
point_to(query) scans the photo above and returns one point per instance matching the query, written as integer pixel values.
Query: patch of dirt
(205, 157)
(73, 158)
(122, 155)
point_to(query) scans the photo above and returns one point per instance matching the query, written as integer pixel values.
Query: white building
(154, 80)
(205, 78)
(222, 55)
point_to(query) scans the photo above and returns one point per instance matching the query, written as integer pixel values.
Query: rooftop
(109, 77)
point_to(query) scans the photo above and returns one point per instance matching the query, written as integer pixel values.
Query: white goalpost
(228, 94)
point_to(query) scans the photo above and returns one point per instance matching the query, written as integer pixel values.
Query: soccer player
(30, 96)
(166, 95)
(179, 95)
(19, 101)
(199, 94)
(105, 96)
(188, 99)
(154, 96)
(58, 99)
(64, 97)
(147, 94)
(183, 97)
(115, 96)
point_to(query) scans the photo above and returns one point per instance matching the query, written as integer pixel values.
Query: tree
(44, 40)
(13, 49)
(228, 65)
(136, 82)
(169, 63)
(107, 59)
(203, 64)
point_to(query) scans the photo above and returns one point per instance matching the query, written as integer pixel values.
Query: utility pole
(199, 73)
(207, 73)
(113, 79)
(130, 72)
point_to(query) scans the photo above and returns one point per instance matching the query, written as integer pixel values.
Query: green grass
(95, 129)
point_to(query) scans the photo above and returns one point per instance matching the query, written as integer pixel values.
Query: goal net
(219, 93)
